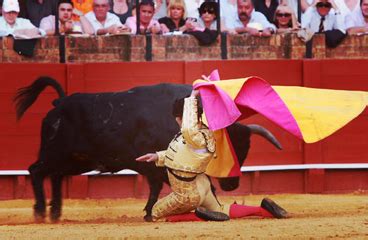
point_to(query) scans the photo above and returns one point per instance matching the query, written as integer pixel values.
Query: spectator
(319, 18)
(175, 21)
(285, 19)
(10, 24)
(249, 21)
(35, 10)
(266, 7)
(66, 24)
(208, 15)
(147, 23)
(104, 22)
(360, 21)
(122, 9)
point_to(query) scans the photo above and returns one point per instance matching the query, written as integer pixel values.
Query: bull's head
(240, 139)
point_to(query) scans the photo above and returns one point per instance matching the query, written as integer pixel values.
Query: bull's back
(138, 118)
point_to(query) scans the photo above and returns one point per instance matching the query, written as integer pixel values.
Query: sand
(313, 217)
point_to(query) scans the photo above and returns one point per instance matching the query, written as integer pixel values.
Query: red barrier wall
(19, 141)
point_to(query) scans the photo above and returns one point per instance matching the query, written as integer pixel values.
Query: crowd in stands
(36, 18)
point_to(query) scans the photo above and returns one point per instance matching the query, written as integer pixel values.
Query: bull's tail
(259, 130)
(26, 96)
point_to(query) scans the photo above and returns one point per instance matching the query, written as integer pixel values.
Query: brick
(133, 47)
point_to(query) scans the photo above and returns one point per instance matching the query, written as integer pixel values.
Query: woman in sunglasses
(208, 15)
(285, 19)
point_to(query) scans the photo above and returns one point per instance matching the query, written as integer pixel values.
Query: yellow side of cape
(321, 112)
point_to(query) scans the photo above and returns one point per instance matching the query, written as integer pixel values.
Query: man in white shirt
(320, 18)
(66, 24)
(103, 21)
(359, 22)
(10, 24)
(249, 21)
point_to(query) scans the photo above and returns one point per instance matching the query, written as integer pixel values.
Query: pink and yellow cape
(308, 113)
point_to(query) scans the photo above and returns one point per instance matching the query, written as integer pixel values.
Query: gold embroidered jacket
(192, 149)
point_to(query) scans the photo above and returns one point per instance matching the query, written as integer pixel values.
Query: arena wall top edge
(141, 48)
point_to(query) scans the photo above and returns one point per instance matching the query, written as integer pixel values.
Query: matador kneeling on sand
(186, 160)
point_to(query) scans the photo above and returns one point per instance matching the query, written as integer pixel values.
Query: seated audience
(104, 22)
(320, 18)
(66, 24)
(10, 24)
(266, 7)
(359, 22)
(147, 24)
(176, 17)
(285, 19)
(249, 21)
(35, 10)
(122, 9)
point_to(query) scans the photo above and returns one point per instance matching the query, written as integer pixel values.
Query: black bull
(106, 132)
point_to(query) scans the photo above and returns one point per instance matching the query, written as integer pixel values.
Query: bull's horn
(259, 130)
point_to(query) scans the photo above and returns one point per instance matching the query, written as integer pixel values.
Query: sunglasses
(324, 5)
(210, 11)
(283, 15)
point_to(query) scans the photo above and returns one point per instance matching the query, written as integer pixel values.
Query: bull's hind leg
(37, 178)
(56, 201)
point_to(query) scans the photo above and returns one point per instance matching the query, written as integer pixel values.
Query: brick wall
(184, 47)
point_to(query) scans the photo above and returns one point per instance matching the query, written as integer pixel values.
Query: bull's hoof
(148, 218)
(39, 217)
(55, 217)
(39, 213)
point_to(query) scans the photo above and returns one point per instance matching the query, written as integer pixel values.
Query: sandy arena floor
(313, 217)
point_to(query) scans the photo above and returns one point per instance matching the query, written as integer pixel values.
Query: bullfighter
(186, 160)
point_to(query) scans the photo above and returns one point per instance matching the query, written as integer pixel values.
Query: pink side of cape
(255, 95)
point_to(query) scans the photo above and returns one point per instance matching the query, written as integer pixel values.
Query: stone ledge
(126, 48)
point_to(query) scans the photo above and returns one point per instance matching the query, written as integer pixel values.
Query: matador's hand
(194, 93)
(149, 157)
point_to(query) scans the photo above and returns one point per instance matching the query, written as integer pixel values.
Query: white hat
(11, 6)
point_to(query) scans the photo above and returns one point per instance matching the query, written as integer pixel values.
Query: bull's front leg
(155, 186)
(56, 201)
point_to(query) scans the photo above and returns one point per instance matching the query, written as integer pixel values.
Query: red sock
(185, 217)
(239, 211)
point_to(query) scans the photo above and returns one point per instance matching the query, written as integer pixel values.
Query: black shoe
(209, 215)
(273, 208)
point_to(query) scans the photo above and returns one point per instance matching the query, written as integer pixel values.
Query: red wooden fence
(19, 141)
